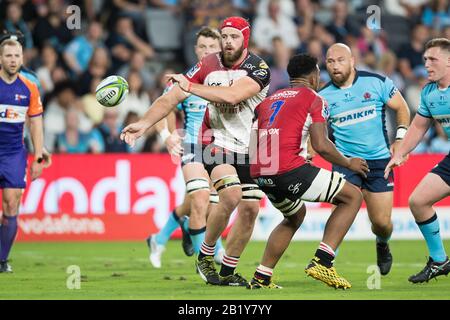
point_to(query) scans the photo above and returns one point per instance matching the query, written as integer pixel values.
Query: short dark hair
(208, 32)
(442, 43)
(301, 65)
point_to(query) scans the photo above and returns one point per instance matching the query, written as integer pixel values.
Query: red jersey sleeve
(197, 73)
(318, 109)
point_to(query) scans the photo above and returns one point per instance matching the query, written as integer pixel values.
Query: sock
(430, 231)
(184, 223)
(171, 225)
(197, 237)
(229, 263)
(263, 273)
(383, 240)
(206, 250)
(325, 254)
(8, 235)
(219, 245)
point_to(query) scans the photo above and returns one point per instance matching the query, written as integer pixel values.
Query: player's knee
(295, 221)
(382, 222)
(349, 195)
(10, 207)
(357, 197)
(230, 198)
(249, 210)
(199, 202)
(416, 203)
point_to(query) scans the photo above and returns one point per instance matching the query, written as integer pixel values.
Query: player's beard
(341, 78)
(11, 72)
(229, 59)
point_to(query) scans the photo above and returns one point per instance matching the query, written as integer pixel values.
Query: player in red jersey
(19, 99)
(234, 82)
(284, 122)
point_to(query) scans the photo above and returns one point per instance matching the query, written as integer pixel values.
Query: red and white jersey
(283, 122)
(230, 125)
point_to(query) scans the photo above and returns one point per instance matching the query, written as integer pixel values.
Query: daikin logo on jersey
(354, 116)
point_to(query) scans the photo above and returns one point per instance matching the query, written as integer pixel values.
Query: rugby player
(284, 122)
(435, 186)
(357, 102)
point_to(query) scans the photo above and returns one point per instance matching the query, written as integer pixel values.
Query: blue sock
(197, 237)
(7, 235)
(185, 224)
(171, 225)
(430, 231)
(219, 245)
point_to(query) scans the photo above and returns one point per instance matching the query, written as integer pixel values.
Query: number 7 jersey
(283, 121)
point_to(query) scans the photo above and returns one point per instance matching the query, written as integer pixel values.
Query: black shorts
(290, 185)
(375, 181)
(307, 182)
(443, 169)
(214, 156)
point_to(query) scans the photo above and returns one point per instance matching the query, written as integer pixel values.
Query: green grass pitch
(120, 270)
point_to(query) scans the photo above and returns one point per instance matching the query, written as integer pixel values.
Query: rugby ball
(111, 91)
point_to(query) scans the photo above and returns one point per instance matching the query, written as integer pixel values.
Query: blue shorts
(13, 170)
(375, 181)
(443, 169)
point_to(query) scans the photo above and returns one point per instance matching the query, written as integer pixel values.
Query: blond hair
(9, 42)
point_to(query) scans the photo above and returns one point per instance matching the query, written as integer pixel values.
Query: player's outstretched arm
(240, 90)
(323, 146)
(414, 135)
(157, 111)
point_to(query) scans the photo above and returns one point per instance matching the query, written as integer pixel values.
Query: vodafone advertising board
(127, 197)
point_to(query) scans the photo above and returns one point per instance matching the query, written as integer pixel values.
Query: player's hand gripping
(132, 132)
(36, 170)
(47, 156)
(173, 144)
(359, 166)
(182, 81)
(396, 161)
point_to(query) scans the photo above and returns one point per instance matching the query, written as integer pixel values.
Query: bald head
(340, 63)
(339, 49)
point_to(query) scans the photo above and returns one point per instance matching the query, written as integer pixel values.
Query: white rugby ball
(111, 91)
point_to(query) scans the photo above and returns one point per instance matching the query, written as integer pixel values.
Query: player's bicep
(245, 88)
(397, 102)
(421, 123)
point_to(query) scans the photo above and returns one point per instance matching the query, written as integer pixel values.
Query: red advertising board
(127, 197)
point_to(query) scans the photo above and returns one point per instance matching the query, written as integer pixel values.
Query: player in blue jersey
(435, 186)
(19, 99)
(193, 109)
(357, 103)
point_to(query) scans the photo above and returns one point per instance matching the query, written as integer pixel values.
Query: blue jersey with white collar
(435, 103)
(358, 115)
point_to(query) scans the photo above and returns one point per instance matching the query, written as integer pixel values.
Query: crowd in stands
(142, 40)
